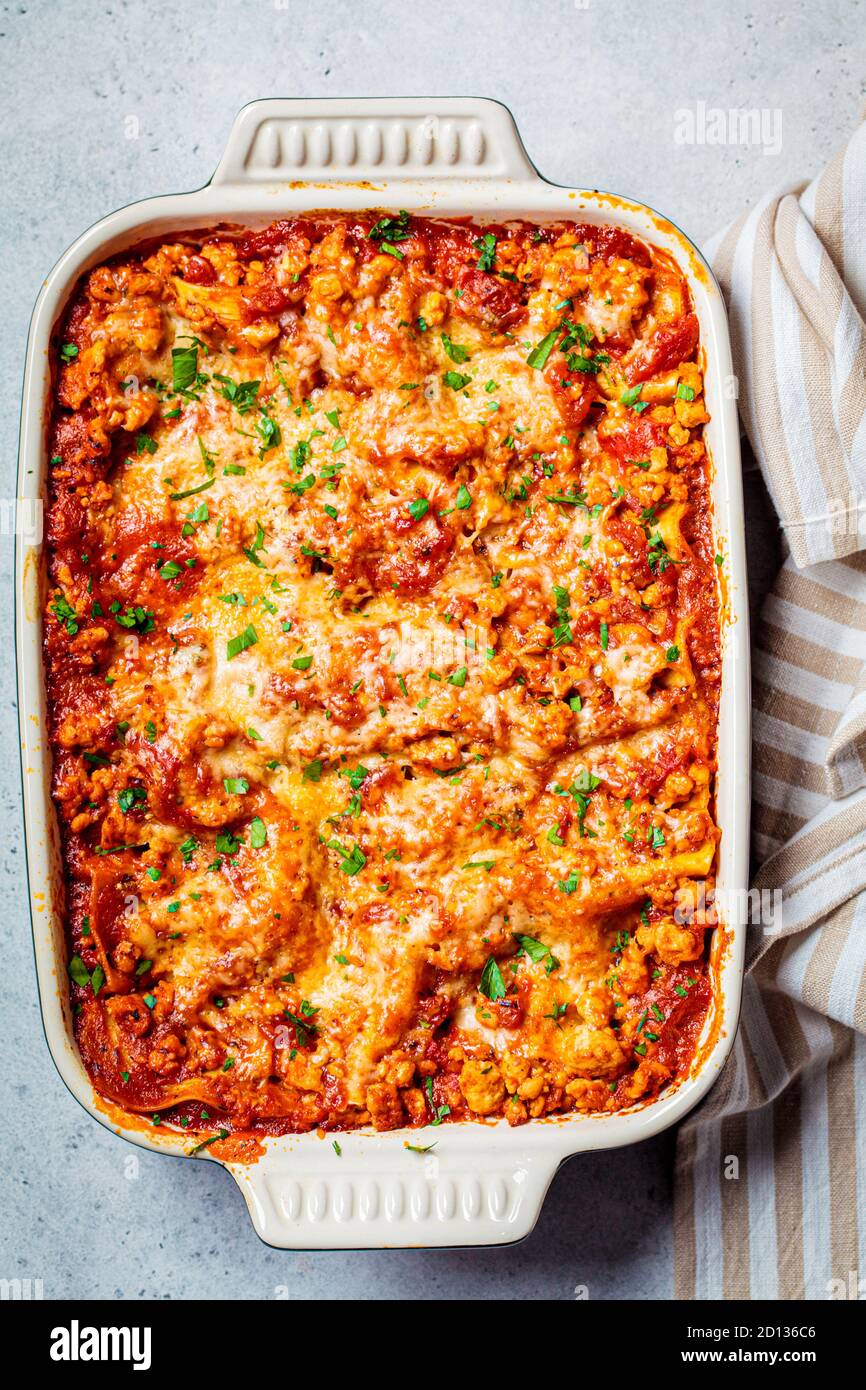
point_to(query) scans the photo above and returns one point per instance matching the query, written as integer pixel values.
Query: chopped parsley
(191, 491)
(242, 394)
(464, 499)
(238, 644)
(65, 614)
(352, 861)
(540, 353)
(631, 398)
(391, 228)
(184, 367)
(537, 952)
(455, 351)
(128, 797)
(486, 247)
(268, 432)
(562, 634)
(252, 551)
(491, 983)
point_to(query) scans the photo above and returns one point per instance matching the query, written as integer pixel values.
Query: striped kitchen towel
(771, 1170)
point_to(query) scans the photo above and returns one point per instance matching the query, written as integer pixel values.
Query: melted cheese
(393, 694)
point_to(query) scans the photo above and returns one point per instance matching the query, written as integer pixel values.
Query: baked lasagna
(382, 645)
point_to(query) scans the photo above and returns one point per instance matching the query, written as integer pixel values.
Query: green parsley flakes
(238, 644)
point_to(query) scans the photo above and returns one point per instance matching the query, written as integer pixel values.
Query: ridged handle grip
(384, 1197)
(387, 139)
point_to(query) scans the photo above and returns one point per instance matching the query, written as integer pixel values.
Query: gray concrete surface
(599, 91)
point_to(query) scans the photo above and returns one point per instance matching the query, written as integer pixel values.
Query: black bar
(260, 1337)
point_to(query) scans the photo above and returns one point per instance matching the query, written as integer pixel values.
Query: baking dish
(482, 1183)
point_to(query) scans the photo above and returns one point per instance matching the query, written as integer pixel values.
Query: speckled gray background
(595, 88)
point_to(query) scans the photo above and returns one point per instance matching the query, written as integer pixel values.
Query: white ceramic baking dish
(482, 1183)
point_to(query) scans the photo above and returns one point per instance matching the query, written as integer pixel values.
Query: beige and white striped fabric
(771, 1170)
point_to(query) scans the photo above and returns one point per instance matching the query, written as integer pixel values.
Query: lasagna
(382, 649)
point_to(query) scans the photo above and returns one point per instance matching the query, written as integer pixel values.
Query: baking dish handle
(385, 140)
(369, 1196)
